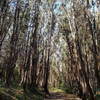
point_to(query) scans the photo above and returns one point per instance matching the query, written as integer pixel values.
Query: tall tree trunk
(11, 61)
(3, 27)
(95, 53)
(30, 67)
(34, 45)
(47, 71)
(84, 70)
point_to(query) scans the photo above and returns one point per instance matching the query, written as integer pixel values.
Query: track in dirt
(62, 96)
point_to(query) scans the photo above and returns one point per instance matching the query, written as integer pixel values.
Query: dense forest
(49, 49)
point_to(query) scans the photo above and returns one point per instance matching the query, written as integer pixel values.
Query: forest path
(62, 96)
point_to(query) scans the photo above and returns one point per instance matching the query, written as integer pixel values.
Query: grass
(55, 90)
(19, 94)
(61, 89)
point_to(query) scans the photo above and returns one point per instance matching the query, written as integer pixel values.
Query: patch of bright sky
(57, 7)
(13, 3)
(58, 4)
(94, 8)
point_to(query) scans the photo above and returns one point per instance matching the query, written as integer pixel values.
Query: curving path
(61, 96)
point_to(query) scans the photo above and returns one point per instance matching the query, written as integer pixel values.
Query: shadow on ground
(18, 94)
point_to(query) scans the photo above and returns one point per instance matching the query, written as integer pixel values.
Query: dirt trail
(62, 96)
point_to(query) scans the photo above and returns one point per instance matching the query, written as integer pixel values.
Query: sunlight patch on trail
(54, 90)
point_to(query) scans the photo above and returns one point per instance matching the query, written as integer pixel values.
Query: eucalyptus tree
(77, 21)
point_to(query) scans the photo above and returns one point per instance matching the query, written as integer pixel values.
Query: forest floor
(58, 94)
(19, 94)
(61, 96)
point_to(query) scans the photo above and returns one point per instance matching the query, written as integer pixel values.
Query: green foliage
(98, 97)
(68, 90)
(55, 90)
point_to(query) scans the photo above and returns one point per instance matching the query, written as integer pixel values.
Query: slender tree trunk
(11, 63)
(84, 71)
(3, 27)
(95, 54)
(47, 71)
